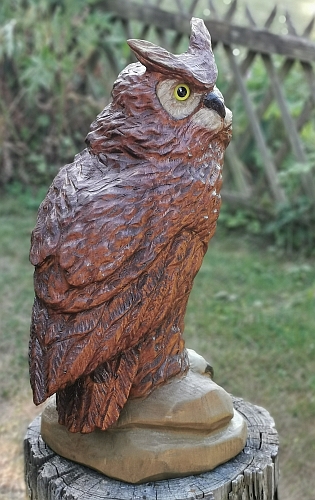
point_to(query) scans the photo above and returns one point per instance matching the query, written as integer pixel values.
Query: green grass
(17, 294)
(251, 313)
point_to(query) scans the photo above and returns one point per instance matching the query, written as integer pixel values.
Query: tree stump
(251, 475)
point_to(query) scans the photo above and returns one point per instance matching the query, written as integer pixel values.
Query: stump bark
(251, 475)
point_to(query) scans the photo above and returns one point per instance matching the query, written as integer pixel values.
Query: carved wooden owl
(122, 233)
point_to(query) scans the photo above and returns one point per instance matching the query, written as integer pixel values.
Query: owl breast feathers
(122, 233)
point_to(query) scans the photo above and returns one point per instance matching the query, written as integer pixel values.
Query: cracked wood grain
(251, 475)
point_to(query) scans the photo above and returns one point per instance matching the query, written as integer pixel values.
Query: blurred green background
(252, 308)
(55, 76)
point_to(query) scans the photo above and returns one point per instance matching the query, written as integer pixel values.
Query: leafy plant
(293, 226)
(55, 79)
(288, 225)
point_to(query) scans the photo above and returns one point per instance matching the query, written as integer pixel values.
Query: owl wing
(90, 224)
(99, 247)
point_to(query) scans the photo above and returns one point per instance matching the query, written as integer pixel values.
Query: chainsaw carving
(122, 233)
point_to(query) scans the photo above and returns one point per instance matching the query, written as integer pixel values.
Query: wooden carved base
(251, 475)
(187, 426)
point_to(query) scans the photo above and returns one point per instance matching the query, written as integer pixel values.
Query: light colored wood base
(252, 474)
(187, 426)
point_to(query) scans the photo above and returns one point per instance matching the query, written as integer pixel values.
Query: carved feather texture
(95, 401)
(118, 241)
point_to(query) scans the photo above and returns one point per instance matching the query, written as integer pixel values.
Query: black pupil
(181, 92)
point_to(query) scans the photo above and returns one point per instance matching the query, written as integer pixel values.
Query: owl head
(164, 105)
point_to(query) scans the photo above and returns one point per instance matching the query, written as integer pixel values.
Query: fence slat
(303, 118)
(262, 41)
(213, 10)
(309, 28)
(288, 121)
(290, 25)
(263, 106)
(231, 11)
(250, 18)
(305, 114)
(271, 17)
(250, 56)
(271, 172)
(292, 132)
(259, 40)
(238, 171)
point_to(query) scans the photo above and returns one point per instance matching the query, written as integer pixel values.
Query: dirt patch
(14, 418)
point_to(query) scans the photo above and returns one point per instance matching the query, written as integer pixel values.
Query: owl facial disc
(178, 108)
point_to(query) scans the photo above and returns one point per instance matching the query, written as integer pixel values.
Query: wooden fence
(274, 132)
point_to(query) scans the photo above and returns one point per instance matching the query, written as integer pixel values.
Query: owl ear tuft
(152, 56)
(197, 63)
(200, 39)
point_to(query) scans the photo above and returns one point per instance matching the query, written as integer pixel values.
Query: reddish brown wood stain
(119, 239)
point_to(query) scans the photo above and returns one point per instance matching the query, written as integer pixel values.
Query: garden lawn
(251, 313)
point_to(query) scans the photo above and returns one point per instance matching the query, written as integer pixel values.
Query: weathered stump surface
(251, 475)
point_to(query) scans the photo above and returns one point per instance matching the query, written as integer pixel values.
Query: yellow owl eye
(182, 92)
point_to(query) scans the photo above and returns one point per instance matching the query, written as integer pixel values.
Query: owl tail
(96, 400)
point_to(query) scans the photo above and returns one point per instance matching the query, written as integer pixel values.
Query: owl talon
(209, 371)
(198, 364)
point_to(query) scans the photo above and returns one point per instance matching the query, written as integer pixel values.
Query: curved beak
(212, 101)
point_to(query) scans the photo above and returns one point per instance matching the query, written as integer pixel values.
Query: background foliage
(288, 225)
(252, 309)
(55, 77)
(53, 73)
